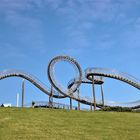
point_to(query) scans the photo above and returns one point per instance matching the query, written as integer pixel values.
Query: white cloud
(81, 18)
(28, 28)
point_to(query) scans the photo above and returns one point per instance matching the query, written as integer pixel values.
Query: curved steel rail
(89, 72)
(97, 80)
(65, 91)
(16, 73)
(111, 73)
(133, 104)
(69, 92)
(75, 83)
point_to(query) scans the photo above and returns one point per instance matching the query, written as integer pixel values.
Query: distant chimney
(17, 100)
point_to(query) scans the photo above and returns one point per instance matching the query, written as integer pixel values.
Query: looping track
(57, 85)
(74, 84)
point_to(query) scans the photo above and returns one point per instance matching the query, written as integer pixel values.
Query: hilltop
(37, 123)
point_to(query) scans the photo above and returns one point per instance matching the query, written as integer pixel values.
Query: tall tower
(22, 93)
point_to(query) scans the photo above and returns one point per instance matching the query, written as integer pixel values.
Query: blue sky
(97, 33)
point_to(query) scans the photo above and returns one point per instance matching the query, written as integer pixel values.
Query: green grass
(51, 124)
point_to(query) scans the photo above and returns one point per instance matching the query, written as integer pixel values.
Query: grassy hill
(51, 124)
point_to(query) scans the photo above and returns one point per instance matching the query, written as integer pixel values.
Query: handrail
(35, 81)
(111, 73)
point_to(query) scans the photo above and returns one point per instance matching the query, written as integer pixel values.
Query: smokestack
(17, 100)
(22, 93)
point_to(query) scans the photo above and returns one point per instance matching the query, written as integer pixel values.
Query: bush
(117, 109)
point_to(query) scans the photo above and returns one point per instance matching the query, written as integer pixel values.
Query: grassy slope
(64, 124)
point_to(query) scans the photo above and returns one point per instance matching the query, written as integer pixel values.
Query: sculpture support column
(51, 98)
(70, 104)
(102, 95)
(93, 88)
(78, 98)
(91, 107)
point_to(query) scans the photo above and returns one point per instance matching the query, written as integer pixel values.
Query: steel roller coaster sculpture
(92, 76)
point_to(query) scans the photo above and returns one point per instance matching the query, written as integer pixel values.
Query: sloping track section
(124, 77)
(112, 73)
(32, 79)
